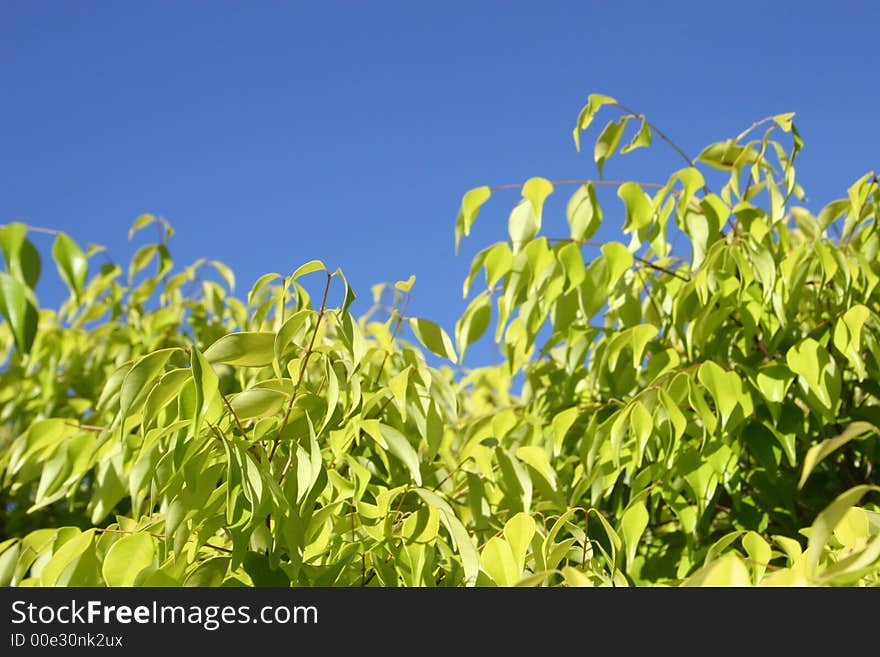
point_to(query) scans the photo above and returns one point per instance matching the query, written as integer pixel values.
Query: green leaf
(256, 403)
(809, 359)
(632, 526)
(639, 209)
(433, 337)
(848, 336)
(722, 155)
(828, 519)
(523, 224)
(9, 552)
(206, 386)
(471, 203)
(613, 538)
(141, 259)
(127, 558)
(398, 385)
(853, 567)
(405, 286)
(536, 456)
(64, 560)
(584, 213)
(20, 311)
(470, 558)
(619, 260)
(641, 139)
(499, 261)
(725, 387)
(225, 273)
(561, 423)
(640, 336)
(289, 330)
(22, 258)
(519, 532)
(773, 381)
(71, 262)
(401, 448)
(759, 553)
(350, 296)
(498, 562)
(140, 223)
(536, 190)
(260, 283)
(729, 570)
(818, 452)
(308, 268)
(585, 118)
(134, 388)
(473, 323)
(572, 261)
(643, 427)
(166, 389)
(245, 349)
(608, 141)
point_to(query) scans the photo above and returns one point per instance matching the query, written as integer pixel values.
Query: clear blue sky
(271, 133)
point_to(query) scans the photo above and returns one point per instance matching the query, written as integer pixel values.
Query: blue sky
(272, 133)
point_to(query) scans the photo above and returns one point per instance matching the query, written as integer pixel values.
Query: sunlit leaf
(245, 349)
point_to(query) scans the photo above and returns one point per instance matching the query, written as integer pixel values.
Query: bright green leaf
(471, 203)
(17, 306)
(245, 349)
(433, 337)
(126, 558)
(71, 262)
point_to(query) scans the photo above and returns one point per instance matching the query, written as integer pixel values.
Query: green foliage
(707, 416)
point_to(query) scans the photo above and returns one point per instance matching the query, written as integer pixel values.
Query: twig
(660, 134)
(302, 373)
(756, 124)
(87, 427)
(452, 472)
(663, 136)
(38, 229)
(671, 272)
(394, 332)
(234, 415)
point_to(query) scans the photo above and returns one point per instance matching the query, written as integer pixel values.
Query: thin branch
(651, 298)
(37, 229)
(671, 272)
(452, 472)
(640, 259)
(234, 415)
(665, 138)
(394, 332)
(302, 374)
(756, 124)
(87, 427)
(660, 134)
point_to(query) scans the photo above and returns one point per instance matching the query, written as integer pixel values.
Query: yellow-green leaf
(127, 558)
(433, 337)
(245, 349)
(818, 452)
(471, 203)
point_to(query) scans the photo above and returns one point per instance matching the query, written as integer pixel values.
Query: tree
(698, 417)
